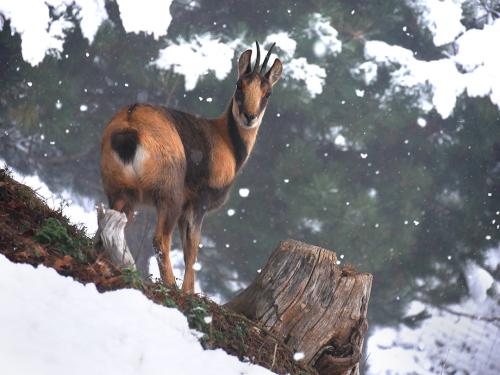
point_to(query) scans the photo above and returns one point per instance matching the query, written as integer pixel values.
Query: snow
(340, 140)
(414, 308)
(244, 192)
(478, 281)
(422, 122)
(312, 75)
(327, 42)
(469, 67)
(40, 34)
(205, 53)
(50, 323)
(284, 42)
(197, 266)
(296, 68)
(367, 70)
(492, 258)
(454, 339)
(149, 16)
(312, 224)
(298, 356)
(443, 343)
(196, 57)
(92, 13)
(359, 93)
(438, 79)
(480, 61)
(441, 17)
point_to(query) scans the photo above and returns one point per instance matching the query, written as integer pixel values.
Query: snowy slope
(50, 324)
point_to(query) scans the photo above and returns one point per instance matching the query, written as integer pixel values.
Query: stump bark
(312, 304)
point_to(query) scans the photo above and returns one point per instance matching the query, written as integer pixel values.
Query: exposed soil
(30, 232)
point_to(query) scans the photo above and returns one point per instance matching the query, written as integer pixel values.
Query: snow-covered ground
(446, 343)
(420, 350)
(51, 325)
(457, 339)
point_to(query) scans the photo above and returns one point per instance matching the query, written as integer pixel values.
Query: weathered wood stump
(110, 236)
(315, 306)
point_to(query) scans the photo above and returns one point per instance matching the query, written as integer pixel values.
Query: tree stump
(315, 306)
(110, 236)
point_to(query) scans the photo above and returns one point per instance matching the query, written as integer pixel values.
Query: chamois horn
(257, 60)
(264, 64)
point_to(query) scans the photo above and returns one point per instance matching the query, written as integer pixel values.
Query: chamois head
(253, 88)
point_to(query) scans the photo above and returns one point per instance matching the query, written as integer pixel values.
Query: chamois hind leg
(161, 243)
(190, 233)
(123, 203)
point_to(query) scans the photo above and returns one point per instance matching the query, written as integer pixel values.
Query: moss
(53, 233)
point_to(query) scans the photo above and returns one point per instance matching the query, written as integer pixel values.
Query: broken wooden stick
(110, 236)
(315, 306)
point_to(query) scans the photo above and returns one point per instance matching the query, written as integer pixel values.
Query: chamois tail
(124, 142)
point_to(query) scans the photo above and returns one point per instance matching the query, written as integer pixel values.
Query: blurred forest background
(343, 160)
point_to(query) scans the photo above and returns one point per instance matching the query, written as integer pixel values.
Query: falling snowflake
(298, 356)
(244, 192)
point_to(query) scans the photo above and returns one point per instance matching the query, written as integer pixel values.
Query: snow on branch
(42, 34)
(469, 65)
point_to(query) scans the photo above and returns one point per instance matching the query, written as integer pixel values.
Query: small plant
(218, 336)
(132, 277)
(241, 330)
(169, 302)
(196, 315)
(53, 233)
(164, 291)
(161, 288)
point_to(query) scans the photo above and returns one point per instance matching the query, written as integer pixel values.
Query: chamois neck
(240, 140)
(240, 147)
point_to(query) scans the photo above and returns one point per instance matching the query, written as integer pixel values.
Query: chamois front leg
(161, 245)
(190, 233)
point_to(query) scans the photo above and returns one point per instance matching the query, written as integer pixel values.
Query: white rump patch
(134, 169)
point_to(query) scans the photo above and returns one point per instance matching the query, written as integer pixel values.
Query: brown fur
(222, 161)
(181, 164)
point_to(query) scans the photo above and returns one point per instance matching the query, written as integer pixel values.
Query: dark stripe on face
(191, 130)
(240, 148)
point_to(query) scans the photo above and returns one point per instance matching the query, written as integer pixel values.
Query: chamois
(181, 164)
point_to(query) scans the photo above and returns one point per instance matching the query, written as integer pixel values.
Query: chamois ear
(244, 66)
(274, 74)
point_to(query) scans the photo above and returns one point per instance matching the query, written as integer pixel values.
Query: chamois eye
(238, 85)
(268, 94)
